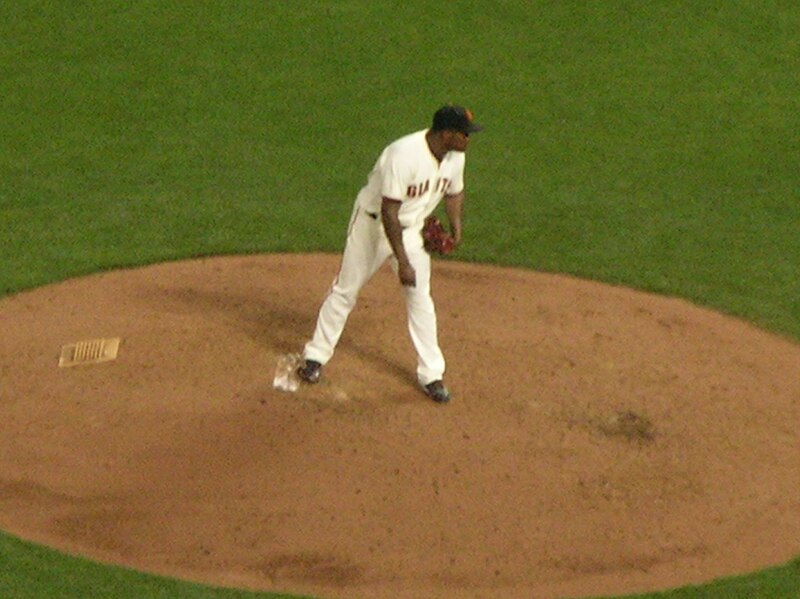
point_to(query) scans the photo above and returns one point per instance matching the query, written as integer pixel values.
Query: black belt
(372, 215)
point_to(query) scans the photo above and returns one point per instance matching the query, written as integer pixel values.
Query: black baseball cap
(454, 118)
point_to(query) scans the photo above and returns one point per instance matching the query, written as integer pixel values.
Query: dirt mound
(600, 440)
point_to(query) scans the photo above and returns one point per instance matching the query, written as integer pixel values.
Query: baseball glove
(436, 239)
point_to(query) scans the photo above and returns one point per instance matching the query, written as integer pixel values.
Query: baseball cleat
(437, 392)
(309, 371)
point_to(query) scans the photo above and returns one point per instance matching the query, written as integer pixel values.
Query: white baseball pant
(366, 250)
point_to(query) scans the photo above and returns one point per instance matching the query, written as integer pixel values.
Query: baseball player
(411, 176)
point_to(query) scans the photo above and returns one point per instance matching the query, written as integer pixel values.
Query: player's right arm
(390, 210)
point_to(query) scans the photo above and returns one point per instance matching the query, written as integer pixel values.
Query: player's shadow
(281, 327)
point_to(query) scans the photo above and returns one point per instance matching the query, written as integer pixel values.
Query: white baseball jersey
(407, 171)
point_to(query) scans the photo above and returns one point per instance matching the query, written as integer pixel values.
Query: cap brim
(474, 128)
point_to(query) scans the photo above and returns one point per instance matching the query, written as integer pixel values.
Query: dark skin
(439, 143)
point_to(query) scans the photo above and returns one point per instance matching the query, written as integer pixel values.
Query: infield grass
(648, 144)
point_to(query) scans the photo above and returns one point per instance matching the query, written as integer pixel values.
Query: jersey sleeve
(395, 175)
(457, 180)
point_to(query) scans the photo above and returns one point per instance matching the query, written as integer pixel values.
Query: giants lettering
(419, 189)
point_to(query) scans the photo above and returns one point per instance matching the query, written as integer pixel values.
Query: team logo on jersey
(419, 189)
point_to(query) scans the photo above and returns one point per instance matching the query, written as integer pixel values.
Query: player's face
(457, 141)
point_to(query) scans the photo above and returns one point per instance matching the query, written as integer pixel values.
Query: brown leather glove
(436, 239)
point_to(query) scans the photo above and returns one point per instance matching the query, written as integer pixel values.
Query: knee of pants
(343, 297)
(419, 301)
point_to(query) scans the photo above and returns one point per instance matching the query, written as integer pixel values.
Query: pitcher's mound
(599, 441)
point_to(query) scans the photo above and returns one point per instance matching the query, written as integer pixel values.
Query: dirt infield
(600, 440)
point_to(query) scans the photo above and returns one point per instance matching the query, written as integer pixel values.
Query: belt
(372, 215)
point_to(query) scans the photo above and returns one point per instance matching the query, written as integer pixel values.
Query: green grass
(32, 572)
(648, 144)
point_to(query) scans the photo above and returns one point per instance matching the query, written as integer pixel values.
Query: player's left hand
(435, 238)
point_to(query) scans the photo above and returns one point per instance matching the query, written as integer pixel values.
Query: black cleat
(309, 371)
(437, 392)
